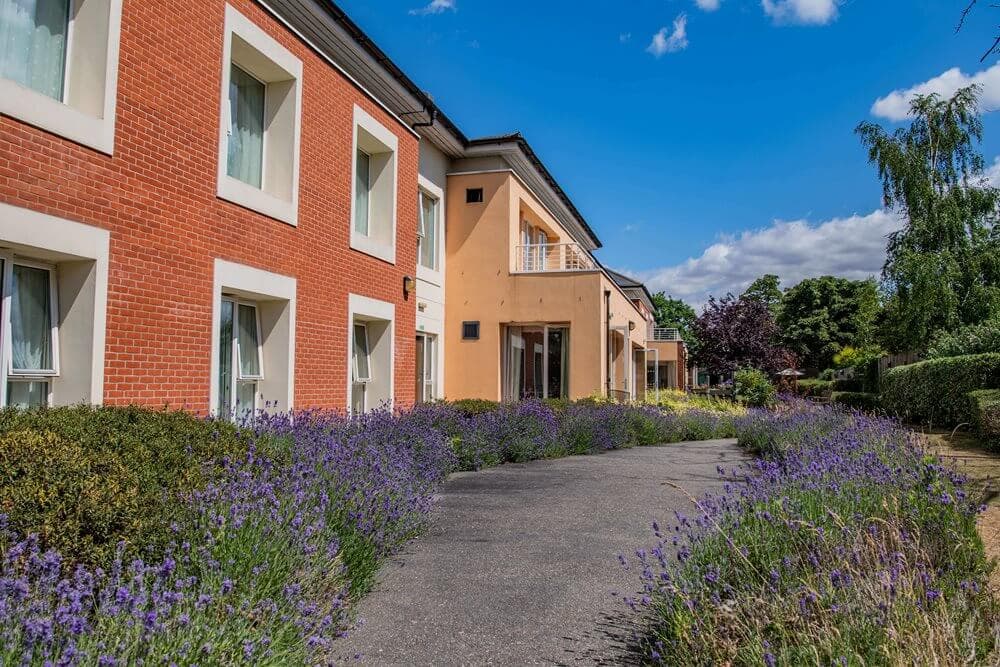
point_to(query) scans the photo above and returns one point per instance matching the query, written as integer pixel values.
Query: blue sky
(720, 150)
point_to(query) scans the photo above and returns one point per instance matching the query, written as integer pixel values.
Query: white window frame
(261, 200)
(545, 327)
(60, 117)
(368, 199)
(237, 374)
(34, 375)
(429, 379)
(379, 243)
(433, 276)
(238, 282)
(357, 377)
(364, 310)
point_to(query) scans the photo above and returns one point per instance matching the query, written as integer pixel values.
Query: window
(246, 131)
(373, 209)
(260, 121)
(474, 196)
(240, 368)
(428, 249)
(470, 330)
(535, 362)
(59, 66)
(426, 375)
(362, 191)
(370, 354)
(253, 348)
(33, 36)
(31, 332)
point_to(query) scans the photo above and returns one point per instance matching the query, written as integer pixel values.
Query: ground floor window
(30, 332)
(361, 369)
(426, 371)
(240, 367)
(535, 362)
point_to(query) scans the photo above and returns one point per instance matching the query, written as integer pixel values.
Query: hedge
(934, 391)
(984, 408)
(848, 385)
(814, 387)
(859, 400)
(86, 478)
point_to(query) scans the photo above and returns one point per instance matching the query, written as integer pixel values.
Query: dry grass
(965, 453)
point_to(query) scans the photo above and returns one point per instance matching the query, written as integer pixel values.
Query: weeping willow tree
(942, 268)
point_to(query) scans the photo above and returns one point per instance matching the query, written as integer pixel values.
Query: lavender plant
(846, 544)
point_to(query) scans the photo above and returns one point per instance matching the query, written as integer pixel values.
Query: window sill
(247, 196)
(369, 246)
(430, 276)
(53, 116)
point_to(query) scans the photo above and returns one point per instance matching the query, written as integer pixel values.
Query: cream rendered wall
(479, 244)
(433, 174)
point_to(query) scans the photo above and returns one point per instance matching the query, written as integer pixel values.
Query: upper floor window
(373, 175)
(246, 131)
(33, 34)
(59, 66)
(428, 231)
(260, 121)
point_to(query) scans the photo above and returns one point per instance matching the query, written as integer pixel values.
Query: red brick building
(178, 220)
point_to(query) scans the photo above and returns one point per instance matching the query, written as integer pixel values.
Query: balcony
(552, 258)
(665, 334)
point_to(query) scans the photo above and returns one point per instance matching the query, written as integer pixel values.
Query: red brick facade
(157, 197)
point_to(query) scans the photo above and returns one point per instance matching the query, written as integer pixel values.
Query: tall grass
(843, 544)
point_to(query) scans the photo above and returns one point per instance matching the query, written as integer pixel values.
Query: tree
(738, 333)
(821, 316)
(674, 313)
(942, 268)
(766, 290)
(961, 23)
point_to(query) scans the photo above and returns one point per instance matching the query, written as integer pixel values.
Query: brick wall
(156, 196)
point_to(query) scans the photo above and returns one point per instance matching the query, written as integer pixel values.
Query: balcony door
(535, 362)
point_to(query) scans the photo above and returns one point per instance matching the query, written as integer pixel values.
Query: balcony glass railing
(551, 257)
(663, 333)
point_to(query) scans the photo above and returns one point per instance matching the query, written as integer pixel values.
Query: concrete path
(519, 561)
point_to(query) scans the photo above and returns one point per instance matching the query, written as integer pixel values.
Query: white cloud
(436, 7)
(708, 5)
(851, 247)
(675, 41)
(624, 37)
(810, 12)
(896, 105)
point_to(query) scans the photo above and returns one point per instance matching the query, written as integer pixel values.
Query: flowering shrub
(753, 387)
(261, 558)
(845, 545)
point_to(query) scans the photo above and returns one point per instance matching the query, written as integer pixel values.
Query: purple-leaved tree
(736, 333)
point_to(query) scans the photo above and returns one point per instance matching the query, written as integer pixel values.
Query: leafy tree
(767, 290)
(738, 333)
(674, 313)
(821, 316)
(942, 269)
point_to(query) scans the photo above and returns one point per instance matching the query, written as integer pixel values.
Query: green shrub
(859, 400)
(848, 385)
(852, 357)
(984, 411)
(753, 387)
(814, 387)
(87, 478)
(971, 339)
(934, 391)
(471, 407)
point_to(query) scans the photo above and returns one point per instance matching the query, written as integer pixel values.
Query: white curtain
(33, 43)
(515, 364)
(226, 360)
(248, 341)
(362, 190)
(246, 130)
(428, 223)
(31, 320)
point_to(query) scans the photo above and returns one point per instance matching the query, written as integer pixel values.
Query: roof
(627, 283)
(329, 28)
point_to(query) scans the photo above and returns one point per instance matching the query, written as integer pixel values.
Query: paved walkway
(518, 562)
